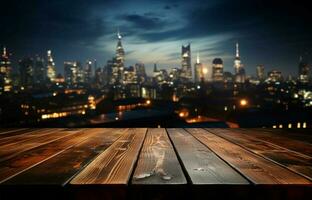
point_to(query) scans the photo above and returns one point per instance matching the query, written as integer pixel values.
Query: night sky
(273, 33)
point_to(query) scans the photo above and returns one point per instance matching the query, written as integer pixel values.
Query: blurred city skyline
(272, 34)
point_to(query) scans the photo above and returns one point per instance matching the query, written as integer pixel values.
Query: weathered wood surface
(23, 161)
(63, 166)
(282, 138)
(115, 165)
(9, 132)
(28, 135)
(304, 135)
(201, 164)
(255, 168)
(16, 147)
(158, 163)
(292, 160)
(141, 157)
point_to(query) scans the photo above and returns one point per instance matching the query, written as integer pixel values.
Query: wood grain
(14, 148)
(303, 134)
(281, 138)
(292, 160)
(158, 163)
(201, 164)
(23, 161)
(114, 166)
(255, 168)
(9, 132)
(62, 167)
(30, 135)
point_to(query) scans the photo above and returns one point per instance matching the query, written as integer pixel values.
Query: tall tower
(217, 70)
(304, 70)
(198, 70)
(88, 75)
(120, 59)
(186, 71)
(239, 70)
(51, 73)
(5, 72)
(71, 73)
(260, 72)
(40, 72)
(26, 72)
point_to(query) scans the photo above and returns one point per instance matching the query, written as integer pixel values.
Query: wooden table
(141, 163)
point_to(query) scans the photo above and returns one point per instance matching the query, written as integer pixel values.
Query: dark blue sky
(273, 33)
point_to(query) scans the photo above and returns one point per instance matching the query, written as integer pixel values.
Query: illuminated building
(88, 72)
(51, 73)
(130, 76)
(140, 72)
(59, 79)
(199, 72)
(80, 73)
(148, 92)
(239, 71)
(274, 76)
(304, 71)
(118, 67)
(5, 72)
(174, 75)
(71, 73)
(260, 72)
(186, 70)
(26, 73)
(40, 73)
(160, 76)
(132, 91)
(228, 77)
(217, 70)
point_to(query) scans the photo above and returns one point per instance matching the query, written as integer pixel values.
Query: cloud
(144, 22)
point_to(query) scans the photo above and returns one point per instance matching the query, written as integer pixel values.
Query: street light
(243, 102)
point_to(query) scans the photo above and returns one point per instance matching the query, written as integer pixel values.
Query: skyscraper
(99, 77)
(239, 70)
(198, 71)
(51, 73)
(26, 73)
(71, 73)
(88, 72)
(186, 71)
(40, 72)
(304, 70)
(260, 72)
(80, 73)
(5, 72)
(119, 61)
(217, 70)
(141, 74)
(130, 75)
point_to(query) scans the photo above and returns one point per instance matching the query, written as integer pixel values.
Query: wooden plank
(20, 139)
(282, 139)
(201, 164)
(62, 167)
(12, 149)
(114, 166)
(13, 131)
(255, 168)
(303, 135)
(158, 163)
(292, 160)
(23, 161)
